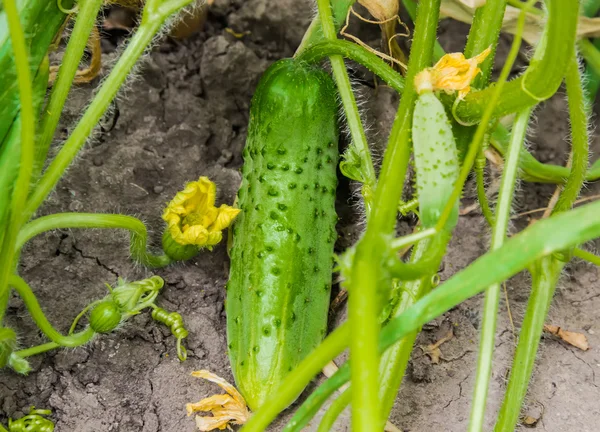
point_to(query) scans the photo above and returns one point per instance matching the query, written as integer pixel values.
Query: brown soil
(186, 116)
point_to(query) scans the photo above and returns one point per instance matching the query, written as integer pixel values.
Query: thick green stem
(353, 120)
(366, 269)
(21, 188)
(86, 19)
(331, 347)
(484, 33)
(544, 75)
(545, 277)
(492, 295)
(42, 322)
(137, 229)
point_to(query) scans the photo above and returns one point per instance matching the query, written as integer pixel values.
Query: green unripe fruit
(282, 251)
(105, 317)
(436, 160)
(176, 251)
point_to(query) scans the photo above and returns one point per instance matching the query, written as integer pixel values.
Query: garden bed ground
(186, 116)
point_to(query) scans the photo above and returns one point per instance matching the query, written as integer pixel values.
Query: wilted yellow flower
(453, 72)
(193, 219)
(226, 408)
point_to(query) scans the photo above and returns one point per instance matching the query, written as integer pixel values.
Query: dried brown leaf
(578, 340)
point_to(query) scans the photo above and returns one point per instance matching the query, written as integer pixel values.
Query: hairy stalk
(579, 138)
(545, 278)
(314, 33)
(541, 79)
(330, 348)
(355, 52)
(484, 204)
(86, 19)
(492, 295)
(155, 13)
(42, 322)
(353, 120)
(366, 269)
(137, 229)
(21, 187)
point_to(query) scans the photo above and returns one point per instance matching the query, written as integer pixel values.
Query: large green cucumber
(282, 251)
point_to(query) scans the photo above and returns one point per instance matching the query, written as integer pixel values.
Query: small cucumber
(282, 251)
(436, 160)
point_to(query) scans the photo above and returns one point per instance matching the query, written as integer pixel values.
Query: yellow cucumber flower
(193, 219)
(226, 408)
(453, 72)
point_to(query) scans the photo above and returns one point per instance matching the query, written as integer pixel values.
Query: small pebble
(158, 189)
(98, 161)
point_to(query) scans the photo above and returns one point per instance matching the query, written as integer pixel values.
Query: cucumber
(282, 250)
(436, 160)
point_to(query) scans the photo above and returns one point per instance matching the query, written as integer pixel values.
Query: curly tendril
(174, 321)
(33, 422)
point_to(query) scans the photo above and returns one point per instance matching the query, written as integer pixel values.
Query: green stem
(411, 8)
(484, 204)
(317, 398)
(587, 256)
(330, 348)
(336, 408)
(590, 53)
(86, 19)
(366, 271)
(314, 33)
(541, 79)
(485, 120)
(137, 229)
(395, 360)
(42, 322)
(545, 277)
(579, 138)
(38, 349)
(21, 187)
(492, 295)
(356, 53)
(353, 120)
(410, 239)
(155, 13)
(560, 232)
(484, 33)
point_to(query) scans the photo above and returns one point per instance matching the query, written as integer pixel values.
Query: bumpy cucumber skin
(282, 251)
(436, 160)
